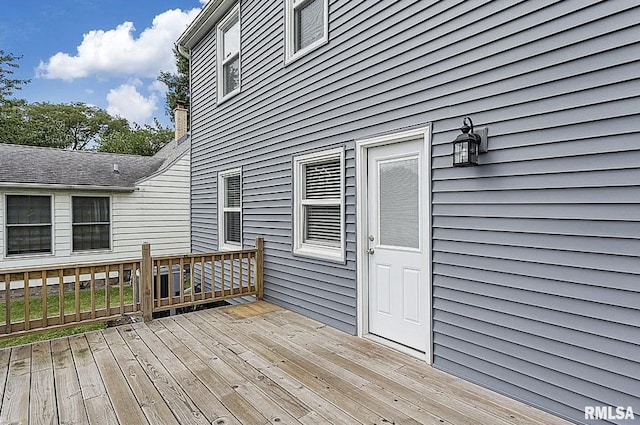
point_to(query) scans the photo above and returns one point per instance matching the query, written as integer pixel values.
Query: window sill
(29, 255)
(229, 96)
(92, 251)
(230, 247)
(335, 255)
(290, 58)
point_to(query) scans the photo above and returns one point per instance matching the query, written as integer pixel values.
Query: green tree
(8, 65)
(139, 140)
(11, 109)
(75, 126)
(177, 85)
(12, 121)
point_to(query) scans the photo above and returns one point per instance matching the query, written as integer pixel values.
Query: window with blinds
(321, 202)
(230, 209)
(306, 26)
(28, 224)
(319, 211)
(91, 223)
(228, 53)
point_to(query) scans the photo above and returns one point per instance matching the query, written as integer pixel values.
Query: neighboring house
(69, 207)
(327, 127)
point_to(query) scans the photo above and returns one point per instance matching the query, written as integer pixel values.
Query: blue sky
(106, 53)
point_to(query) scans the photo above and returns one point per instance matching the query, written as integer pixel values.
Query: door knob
(370, 251)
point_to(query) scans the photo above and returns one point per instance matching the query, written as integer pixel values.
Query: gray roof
(35, 166)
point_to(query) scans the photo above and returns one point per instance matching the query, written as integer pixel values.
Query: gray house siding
(535, 253)
(536, 271)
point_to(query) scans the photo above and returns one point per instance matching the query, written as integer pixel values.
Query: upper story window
(319, 207)
(91, 223)
(28, 224)
(306, 26)
(228, 35)
(229, 209)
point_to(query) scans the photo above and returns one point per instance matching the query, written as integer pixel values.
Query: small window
(319, 205)
(229, 55)
(91, 223)
(306, 26)
(230, 209)
(28, 223)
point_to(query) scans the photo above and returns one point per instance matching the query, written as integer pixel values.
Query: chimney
(180, 119)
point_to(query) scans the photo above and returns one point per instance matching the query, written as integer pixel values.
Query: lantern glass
(474, 150)
(460, 153)
(465, 152)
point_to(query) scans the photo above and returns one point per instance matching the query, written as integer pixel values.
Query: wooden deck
(250, 364)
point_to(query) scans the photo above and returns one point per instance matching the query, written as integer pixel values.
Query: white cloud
(118, 52)
(158, 87)
(127, 102)
(204, 1)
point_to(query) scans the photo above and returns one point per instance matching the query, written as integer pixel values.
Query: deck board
(390, 384)
(42, 406)
(176, 395)
(245, 389)
(69, 401)
(4, 369)
(210, 350)
(212, 390)
(94, 394)
(239, 365)
(153, 405)
(126, 407)
(15, 406)
(375, 384)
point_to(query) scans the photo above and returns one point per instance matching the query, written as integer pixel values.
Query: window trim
(306, 249)
(222, 175)
(7, 225)
(97, 250)
(290, 55)
(223, 26)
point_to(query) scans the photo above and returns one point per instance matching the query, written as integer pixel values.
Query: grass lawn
(53, 310)
(51, 334)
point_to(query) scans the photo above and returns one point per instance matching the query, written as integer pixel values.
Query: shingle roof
(31, 165)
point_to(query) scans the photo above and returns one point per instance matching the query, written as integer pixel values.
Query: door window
(399, 205)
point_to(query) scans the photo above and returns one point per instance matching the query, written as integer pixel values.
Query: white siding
(157, 212)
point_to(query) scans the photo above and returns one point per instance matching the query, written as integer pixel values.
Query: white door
(397, 242)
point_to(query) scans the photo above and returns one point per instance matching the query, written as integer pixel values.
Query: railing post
(7, 303)
(260, 267)
(146, 279)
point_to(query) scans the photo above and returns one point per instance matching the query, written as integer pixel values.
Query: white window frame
(73, 224)
(307, 249)
(7, 225)
(222, 27)
(222, 176)
(290, 7)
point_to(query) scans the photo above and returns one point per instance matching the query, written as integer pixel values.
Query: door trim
(362, 260)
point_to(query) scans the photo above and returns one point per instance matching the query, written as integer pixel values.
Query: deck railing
(189, 280)
(61, 296)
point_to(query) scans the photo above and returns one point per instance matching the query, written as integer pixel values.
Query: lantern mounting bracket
(484, 138)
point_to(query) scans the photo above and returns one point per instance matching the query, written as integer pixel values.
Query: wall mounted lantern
(469, 144)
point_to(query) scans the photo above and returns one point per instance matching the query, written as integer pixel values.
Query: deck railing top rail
(226, 253)
(55, 268)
